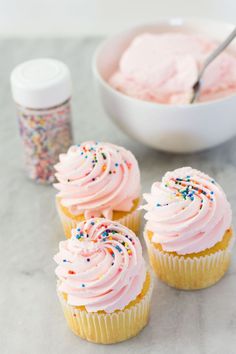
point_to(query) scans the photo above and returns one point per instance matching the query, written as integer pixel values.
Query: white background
(39, 18)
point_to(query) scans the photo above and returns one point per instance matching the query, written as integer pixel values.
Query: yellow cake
(130, 219)
(194, 270)
(100, 327)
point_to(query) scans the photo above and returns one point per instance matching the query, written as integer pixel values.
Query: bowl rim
(178, 21)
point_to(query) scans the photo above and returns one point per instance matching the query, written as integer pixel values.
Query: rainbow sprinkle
(183, 189)
(45, 134)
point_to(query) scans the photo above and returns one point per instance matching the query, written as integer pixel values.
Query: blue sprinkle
(81, 153)
(212, 192)
(158, 205)
(212, 199)
(118, 248)
(92, 222)
(64, 260)
(78, 237)
(83, 285)
(78, 229)
(116, 164)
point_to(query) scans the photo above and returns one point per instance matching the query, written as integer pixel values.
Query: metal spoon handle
(218, 50)
(209, 59)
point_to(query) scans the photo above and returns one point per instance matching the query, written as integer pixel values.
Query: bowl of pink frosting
(145, 75)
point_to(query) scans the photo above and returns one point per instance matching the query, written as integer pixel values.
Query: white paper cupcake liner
(189, 273)
(108, 328)
(132, 221)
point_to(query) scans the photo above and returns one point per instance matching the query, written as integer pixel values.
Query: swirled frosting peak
(187, 211)
(96, 178)
(101, 266)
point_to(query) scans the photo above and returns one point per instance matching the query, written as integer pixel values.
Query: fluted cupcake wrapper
(189, 273)
(108, 328)
(131, 220)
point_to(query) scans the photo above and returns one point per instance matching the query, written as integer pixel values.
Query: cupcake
(103, 284)
(188, 231)
(98, 180)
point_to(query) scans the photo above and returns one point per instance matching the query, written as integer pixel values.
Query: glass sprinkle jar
(41, 89)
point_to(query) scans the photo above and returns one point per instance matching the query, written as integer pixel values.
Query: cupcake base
(130, 219)
(105, 328)
(190, 272)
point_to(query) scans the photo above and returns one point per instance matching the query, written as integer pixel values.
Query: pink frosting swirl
(163, 68)
(187, 212)
(101, 266)
(97, 178)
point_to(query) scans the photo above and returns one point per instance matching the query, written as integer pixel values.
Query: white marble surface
(31, 320)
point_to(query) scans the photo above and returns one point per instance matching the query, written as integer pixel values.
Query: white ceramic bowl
(174, 128)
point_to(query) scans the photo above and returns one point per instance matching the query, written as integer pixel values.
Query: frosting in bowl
(163, 67)
(101, 266)
(96, 178)
(187, 211)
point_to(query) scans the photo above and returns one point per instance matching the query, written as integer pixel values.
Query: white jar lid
(41, 83)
